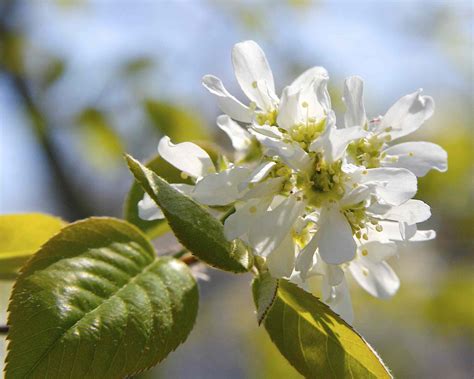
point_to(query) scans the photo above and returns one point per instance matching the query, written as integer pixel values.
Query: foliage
(95, 301)
(313, 338)
(194, 227)
(22, 235)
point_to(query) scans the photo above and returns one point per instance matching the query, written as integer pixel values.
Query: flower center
(326, 183)
(367, 151)
(267, 118)
(306, 133)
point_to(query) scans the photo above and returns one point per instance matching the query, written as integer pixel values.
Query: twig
(74, 208)
(4, 329)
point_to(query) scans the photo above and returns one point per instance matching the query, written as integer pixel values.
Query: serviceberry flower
(309, 198)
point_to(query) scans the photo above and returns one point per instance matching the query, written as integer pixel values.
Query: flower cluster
(310, 198)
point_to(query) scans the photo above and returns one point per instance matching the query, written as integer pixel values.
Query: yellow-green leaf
(314, 339)
(179, 124)
(20, 236)
(101, 143)
(97, 302)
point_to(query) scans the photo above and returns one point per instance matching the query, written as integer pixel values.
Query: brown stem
(189, 260)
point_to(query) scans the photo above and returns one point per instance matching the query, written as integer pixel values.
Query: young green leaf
(265, 294)
(101, 143)
(96, 302)
(195, 228)
(177, 123)
(153, 228)
(21, 235)
(314, 339)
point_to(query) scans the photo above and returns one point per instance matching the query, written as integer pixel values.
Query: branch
(73, 207)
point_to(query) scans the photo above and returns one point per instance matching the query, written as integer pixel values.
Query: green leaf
(96, 302)
(103, 146)
(194, 227)
(22, 235)
(137, 65)
(179, 124)
(314, 339)
(265, 296)
(53, 71)
(153, 228)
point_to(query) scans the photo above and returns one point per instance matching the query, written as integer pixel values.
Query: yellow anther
(254, 84)
(365, 236)
(365, 172)
(253, 209)
(379, 228)
(365, 252)
(304, 104)
(411, 154)
(184, 175)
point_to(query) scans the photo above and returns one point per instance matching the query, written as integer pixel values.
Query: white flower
(311, 199)
(255, 78)
(403, 118)
(211, 187)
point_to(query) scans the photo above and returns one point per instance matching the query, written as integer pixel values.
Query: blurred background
(81, 82)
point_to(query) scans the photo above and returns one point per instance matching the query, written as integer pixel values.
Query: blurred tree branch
(71, 203)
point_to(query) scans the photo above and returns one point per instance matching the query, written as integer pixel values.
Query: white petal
(355, 196)
(391, 231)
(290, 109)
(300, 104)
(339, 299)
(241, 221)
(251, 68)
(317, 99)
(334, 274)
(273, 226)
(333, 142)
(185, 189)
(407, 231)
(281, 261)
(239, 137)
(227, 103)
(265, 130)
(187, 157)
(423, 235)
(336, 243)
(149, 210)
(339, 139)
(392, 185)
(309, 76)
(354, 101)
(377, 278)
(408, 114)
(261, 171)
(221, 188)
(290, 153)
(377, 251)
(411, 212)
(305, 259)
(269, 187)
(418, 157)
